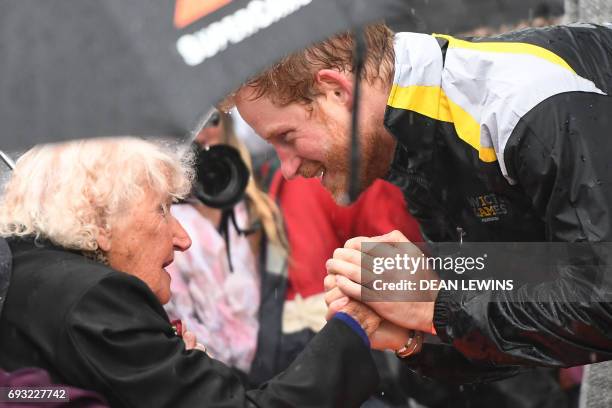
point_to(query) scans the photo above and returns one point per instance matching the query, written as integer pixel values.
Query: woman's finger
(333, 295)
(201, 347)
(335, 306)
(190, 340)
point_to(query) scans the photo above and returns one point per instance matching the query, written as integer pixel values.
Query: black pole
(359, 54)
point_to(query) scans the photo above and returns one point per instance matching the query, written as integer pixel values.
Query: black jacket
(103, 330)
(509, 139)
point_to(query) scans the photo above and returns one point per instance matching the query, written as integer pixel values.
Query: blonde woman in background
(220, 301)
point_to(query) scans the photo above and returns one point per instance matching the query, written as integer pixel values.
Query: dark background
(456, 16)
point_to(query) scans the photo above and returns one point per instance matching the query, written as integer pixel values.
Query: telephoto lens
(221, 176)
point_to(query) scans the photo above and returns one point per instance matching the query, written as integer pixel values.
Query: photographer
(218, 284)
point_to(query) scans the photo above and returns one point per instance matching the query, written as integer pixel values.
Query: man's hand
(350, 279)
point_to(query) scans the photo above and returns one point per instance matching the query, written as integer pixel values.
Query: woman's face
(212, 134)
(142, 243)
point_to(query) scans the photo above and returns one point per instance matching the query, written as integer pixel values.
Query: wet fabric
(5, 271)
(102, 330)
(475, 166)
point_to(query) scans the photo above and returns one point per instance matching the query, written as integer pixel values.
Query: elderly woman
(90, 232)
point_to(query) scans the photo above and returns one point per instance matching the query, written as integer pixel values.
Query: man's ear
(104, 239)
(336, 86)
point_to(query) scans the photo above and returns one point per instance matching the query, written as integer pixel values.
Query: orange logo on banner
(189, 11)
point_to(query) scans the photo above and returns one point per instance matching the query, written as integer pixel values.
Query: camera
(221, 176)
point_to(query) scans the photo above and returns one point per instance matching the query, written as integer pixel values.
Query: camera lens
(221, 176)
(215, 177)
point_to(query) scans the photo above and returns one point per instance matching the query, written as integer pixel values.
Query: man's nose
(180, 237)
(290, 163)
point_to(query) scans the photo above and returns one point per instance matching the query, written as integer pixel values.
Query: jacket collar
(414, 98)
(418, 62)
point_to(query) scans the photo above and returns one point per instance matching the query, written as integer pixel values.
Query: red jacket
(316, 225)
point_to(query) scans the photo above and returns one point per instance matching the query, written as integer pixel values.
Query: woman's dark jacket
(102, 330)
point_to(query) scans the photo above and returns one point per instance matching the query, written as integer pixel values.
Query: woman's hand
(365, 316)
(191, 342)
(189, 338)
(386, 335)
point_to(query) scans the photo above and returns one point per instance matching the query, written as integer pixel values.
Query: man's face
(314, 141)
(143, 241)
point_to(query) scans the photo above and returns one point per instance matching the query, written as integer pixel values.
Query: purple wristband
(356, 327)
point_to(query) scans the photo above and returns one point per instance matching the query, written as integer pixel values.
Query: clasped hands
(386, 320)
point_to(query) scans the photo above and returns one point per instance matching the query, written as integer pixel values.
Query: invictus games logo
(488, 207)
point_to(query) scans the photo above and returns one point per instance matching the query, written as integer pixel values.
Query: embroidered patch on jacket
(488, 207)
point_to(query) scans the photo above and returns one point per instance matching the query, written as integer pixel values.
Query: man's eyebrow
(275, 131)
